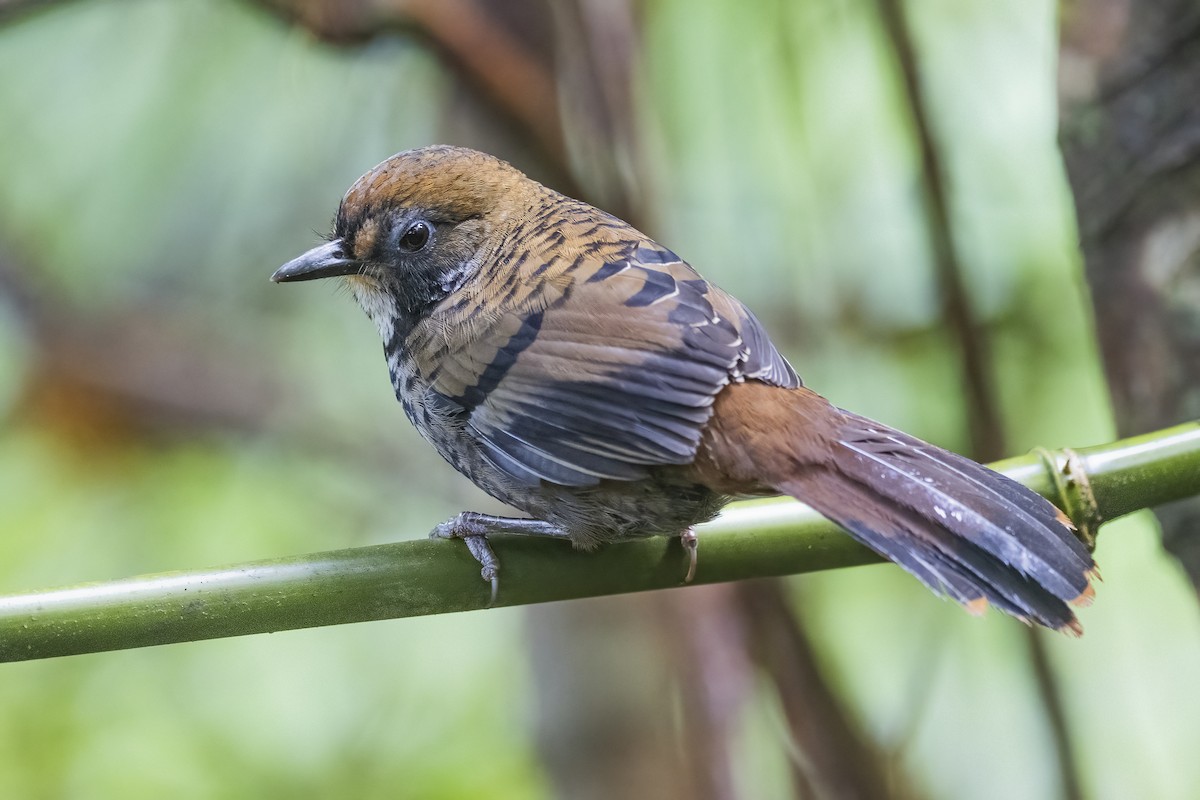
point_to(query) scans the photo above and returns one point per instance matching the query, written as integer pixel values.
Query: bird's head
(415, 228)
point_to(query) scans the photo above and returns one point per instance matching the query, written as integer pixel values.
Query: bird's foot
(474, 528)
(691, 543)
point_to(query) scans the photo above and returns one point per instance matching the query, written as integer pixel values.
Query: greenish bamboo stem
(751, 540)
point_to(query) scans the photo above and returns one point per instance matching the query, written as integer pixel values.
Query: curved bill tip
(325, 261)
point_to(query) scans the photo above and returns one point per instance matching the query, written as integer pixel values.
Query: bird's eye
(416, 237)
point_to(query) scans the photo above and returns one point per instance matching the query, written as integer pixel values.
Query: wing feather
(616, 376)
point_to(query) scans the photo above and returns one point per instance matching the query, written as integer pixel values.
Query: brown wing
(616, 374)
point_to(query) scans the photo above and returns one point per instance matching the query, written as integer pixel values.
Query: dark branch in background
(597, 52)
(482, 51)
(707, 636)
(984, 420)
(847, 765)
(606, 651)
(1050, 693)
(11, 10)
(1049, 690)
(1129, 79)
(476, 44)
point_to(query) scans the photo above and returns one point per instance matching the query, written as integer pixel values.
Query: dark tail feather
(962, 529)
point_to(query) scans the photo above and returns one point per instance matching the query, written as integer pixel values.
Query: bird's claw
(474, 535)
(691, 543)
(489, 565)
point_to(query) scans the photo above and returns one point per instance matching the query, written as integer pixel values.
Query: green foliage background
(160, 159)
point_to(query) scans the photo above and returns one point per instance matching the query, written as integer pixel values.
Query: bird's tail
(965, 531)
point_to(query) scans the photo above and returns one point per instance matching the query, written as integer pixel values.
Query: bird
(586, 375)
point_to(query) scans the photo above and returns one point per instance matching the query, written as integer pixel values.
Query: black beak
(325, 261)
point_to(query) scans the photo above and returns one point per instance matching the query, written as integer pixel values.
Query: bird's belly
(616, 510)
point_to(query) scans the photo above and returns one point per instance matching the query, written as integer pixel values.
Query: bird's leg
(474, 528)
(690, 542)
